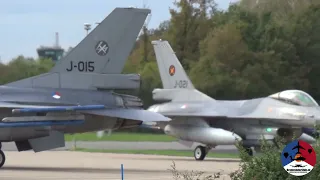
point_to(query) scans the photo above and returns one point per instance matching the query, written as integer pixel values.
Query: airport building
(54, 52)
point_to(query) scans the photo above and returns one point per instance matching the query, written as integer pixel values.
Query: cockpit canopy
(295, 97)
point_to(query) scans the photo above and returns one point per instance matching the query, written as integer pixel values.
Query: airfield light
(268, 129)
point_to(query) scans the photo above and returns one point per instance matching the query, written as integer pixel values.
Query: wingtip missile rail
(43, 118)
(58, 109)
(40, 123)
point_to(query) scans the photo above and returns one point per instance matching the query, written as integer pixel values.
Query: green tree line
(252, 49)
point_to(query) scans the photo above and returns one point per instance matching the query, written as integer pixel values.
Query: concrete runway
(81, 165)
(132, 146)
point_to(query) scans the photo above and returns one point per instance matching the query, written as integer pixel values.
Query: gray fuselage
(250, 119)
(44, 97)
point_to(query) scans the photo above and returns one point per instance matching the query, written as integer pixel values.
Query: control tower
(54, 52)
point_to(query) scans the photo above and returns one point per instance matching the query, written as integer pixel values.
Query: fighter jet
(78, 94)
(199, 118)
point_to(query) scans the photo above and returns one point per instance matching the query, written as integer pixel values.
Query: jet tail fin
(172, 74)
(98, 60)
(176, 84)
(106, 48)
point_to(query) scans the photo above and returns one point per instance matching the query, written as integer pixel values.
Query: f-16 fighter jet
(202, 119)
(77, 95)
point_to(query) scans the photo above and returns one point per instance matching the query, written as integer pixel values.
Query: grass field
(121, 136)
(160, 152)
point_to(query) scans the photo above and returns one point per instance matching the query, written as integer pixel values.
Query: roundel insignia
(102, 48)
(172, 70)
(298, 158)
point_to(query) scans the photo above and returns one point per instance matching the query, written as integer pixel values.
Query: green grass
(159, 152)
(122, 136)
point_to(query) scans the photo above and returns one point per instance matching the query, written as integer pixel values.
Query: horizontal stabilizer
(83, 81)
(133, 114)
(58, 109)
(44, 118)
(179, 95)
(39, 123)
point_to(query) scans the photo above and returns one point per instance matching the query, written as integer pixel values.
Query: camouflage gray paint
(200, 118)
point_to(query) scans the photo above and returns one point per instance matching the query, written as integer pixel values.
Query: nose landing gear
(249, 151)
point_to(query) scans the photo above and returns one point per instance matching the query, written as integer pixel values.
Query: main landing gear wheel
(249, 151)
(200, 153)
(2, 158)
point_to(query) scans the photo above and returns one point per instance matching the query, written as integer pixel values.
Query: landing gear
(249, 151)
(200, 152)
(2, 157)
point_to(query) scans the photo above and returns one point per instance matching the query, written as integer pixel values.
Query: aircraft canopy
(295, 97)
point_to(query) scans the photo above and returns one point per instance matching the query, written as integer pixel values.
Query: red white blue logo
(298, 158)
(56, 95)
(183, 106)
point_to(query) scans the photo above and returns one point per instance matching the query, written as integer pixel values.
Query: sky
(28, 24)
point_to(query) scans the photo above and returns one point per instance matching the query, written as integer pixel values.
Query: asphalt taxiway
(82, 165)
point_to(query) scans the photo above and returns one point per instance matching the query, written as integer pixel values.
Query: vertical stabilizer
(98, 60)
(106, 48)
(172, 74)
(176, 83)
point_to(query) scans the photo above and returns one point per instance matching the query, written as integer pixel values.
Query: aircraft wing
(23, 108)
(40, 123)
(33, 121)
(196, 114)
(28, 121)
(38, 109)
(133, 114)
(289, 120)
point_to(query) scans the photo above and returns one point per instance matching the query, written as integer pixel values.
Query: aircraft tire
(249, 151)
(2, 158)
(200, 153)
